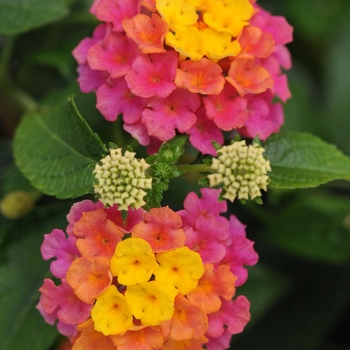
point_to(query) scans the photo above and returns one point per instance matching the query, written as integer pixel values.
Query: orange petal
(150, 5)
(255, 43)
(89, 277)
(91, 339)
(247, 77)
(213, 285)
(203, 76)
(148, 338)
(97, 235)
(193, 344)
(188, 322)
(161, 228)
(148, 33)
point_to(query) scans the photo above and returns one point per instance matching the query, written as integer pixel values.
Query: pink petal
(57, 245)
(264, 118)
(81, 51)
(207, 238)
(116, 11)
(77, 210)
(90, 80)
(116, 99)
(208, 205)
(153, 75)
(219, 343)
(234, 314)
(115, 55)
(278, 26)
(134, 217)
(240, 253)
(204, 132)
(139, 131)
(70, 309)
(163, 116)
(227, 110)
(281, 89)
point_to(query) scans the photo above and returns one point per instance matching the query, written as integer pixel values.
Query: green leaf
(17, 16)
(54, 150)
(21, 274)
(323, 229)
(301, 160)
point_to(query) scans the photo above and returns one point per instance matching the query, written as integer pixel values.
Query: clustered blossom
(121, 180)
(157, 280)
(241, 169)
(198, 67)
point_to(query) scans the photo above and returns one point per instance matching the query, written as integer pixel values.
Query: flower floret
(111, 314)
(151, 302)
(133, 261)
(181, 268)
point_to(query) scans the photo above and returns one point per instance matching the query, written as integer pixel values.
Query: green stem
(20, 97)
(194, 168)
(5, 58)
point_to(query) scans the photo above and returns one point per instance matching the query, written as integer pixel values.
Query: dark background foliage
(300, 289)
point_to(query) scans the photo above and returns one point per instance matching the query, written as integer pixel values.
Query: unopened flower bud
(16, 204)
(121, 180)
(241, 169)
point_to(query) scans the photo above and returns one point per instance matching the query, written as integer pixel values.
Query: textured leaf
(22, 271)
(54, 149)
(17, 16)
(301, 160)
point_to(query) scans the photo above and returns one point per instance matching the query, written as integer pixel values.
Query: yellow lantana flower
(151, 302)
(181, 268)
(133, 261)
(111, 314)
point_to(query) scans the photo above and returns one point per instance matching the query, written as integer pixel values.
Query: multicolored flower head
(148, 282)
(198, 67)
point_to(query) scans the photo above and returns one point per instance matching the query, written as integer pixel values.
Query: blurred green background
(300, 289)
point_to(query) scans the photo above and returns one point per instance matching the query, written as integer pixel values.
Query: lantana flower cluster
(197, 67)
(157, 280)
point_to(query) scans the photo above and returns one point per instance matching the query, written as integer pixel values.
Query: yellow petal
(133, 261)
(181, 268)
(151, 302)
(111, 314)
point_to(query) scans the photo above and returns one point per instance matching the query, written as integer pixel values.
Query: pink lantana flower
(116, 98)
(228, 110)
(114, 55)
(161, 49)
(177, 111)
(203, 132)
(153, 75)
(57, 245)
(115, 11)
(264, 118)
